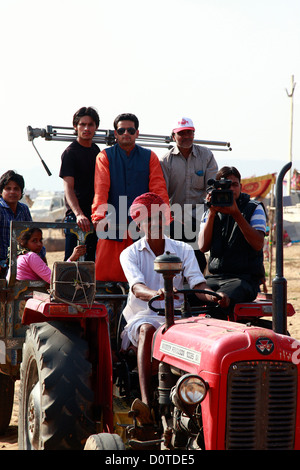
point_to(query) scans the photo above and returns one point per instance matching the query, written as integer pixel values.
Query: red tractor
(220, 384)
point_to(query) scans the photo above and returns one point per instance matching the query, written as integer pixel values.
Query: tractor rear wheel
(55, 393)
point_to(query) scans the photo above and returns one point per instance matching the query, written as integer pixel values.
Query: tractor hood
(200, 343)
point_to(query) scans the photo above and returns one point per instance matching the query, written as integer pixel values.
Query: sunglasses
(130, 130)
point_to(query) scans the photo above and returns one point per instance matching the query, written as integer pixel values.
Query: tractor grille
(261, 405)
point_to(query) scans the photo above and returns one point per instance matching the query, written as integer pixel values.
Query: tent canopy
(258, 186)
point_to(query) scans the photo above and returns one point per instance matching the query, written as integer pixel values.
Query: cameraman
(234, 235)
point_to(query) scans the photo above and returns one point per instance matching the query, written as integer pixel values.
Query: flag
(258, 186)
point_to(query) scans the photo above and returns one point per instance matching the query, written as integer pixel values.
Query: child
(11, 191)
(30, 265)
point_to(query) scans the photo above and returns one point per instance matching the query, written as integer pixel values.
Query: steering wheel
(161, 311)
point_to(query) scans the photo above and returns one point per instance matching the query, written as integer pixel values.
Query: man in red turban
(151, 214)
(147, 205)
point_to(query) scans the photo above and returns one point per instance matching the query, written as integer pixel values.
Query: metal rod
(279, 285)
(44, 164)
(106, 136)
(291, 95)
(169, 299)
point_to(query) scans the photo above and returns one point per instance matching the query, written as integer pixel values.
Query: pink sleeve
(39, 267)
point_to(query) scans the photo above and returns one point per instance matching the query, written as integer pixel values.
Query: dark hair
(25, 236)
(11, 175)
(84, 111)
(126, 117)
(226, 171)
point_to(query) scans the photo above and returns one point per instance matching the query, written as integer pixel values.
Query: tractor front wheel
(104, 441)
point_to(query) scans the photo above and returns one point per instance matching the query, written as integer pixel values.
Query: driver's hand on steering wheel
(174, 291)
(161, 293)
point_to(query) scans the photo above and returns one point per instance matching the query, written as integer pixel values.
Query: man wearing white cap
(187, 167)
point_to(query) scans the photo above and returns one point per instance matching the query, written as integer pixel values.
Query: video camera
(221, 194)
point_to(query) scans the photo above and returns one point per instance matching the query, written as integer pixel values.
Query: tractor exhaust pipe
(279, 283)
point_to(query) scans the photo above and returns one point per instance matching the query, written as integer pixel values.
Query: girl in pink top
(30, 265)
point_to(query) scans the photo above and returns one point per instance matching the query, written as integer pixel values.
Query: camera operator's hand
(223, 209)
(231, 210)
(254, 237)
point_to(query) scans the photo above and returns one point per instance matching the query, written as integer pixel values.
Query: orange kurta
(108, 266)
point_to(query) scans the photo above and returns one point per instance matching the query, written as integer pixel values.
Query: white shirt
(138, 265)
(186, 178)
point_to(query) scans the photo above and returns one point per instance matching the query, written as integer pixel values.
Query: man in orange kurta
(122, 172)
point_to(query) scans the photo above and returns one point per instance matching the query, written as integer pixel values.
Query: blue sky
(226, 64)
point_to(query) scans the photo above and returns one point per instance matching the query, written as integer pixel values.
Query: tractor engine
(179, 399)
(224, 385)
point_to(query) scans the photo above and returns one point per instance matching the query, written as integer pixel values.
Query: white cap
(184, 124)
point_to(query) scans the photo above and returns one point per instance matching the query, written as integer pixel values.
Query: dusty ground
(291, 274)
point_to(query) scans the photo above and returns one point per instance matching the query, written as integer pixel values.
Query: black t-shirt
(79, 162)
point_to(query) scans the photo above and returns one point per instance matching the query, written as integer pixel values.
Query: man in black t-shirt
(78, 170)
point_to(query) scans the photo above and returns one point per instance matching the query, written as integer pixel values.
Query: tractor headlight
(190, 389)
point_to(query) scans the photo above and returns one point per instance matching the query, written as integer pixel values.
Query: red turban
(149, 204)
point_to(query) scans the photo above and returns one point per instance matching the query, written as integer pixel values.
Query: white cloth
(138, 265)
